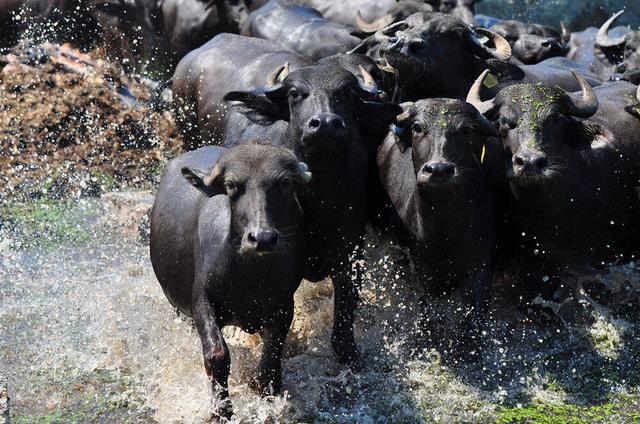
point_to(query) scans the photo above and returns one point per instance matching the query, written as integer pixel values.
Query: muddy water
(86, 335)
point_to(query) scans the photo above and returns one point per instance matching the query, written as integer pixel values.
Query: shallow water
(87, 335)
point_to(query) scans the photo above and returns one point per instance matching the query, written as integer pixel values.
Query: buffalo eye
(294, 94)
(230, 188)
(286, 185)
(416, 128)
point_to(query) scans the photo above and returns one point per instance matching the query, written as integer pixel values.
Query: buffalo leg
(216, 354)
(269, 378)
(477, 296)
(345, 301)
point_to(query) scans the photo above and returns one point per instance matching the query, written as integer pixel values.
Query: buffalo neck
(445, 215)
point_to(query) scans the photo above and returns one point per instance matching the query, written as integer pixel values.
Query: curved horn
(566, 33)
(603, 39)
(405, 115)
(587, 105)
(369, 84)
(278, 75)
(502, 51)
(474, 95)
(375, 26)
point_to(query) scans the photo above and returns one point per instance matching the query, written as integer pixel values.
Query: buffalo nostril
(252, 237)
(519, 161)
(416, 45)
(337, 123)
(314, 123)
(541, 162)
(266, 239)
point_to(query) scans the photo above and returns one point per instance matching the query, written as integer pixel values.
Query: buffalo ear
(210, 184)
(257, 106)
(587, 135)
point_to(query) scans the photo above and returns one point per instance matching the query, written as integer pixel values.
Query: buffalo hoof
(348, 354)
(222, 412)
(268, 382)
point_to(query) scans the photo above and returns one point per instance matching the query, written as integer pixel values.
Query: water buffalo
(333, 120)
(300, 29)
(226, 63)
(439, 46)
(430, 167)
(573, 174)
(227, 246)
(532, 43)
(617, 57)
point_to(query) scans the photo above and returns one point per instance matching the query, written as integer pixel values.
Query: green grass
(625, 410)
(98, 396)
(43, 223)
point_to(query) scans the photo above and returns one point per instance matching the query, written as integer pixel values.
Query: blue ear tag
(397, 130)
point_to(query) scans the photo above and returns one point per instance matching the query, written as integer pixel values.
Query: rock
(129, 213)
(4, 404)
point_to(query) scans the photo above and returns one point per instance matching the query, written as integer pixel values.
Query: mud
(73, 125)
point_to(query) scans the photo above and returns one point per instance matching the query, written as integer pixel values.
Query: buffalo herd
(510, 148)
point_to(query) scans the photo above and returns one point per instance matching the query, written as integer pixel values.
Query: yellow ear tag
(490, 81)
(484, 150)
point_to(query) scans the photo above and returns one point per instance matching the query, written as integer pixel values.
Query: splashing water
(86, 330)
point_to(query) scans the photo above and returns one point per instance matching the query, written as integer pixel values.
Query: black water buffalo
(582, 46)
(226, 63)
(430, 55)
(617, 57)
(428, 44)
(430, 167)
(532, 43)
(300, 29)
(227, 246)
(333, 120)
(573, 174)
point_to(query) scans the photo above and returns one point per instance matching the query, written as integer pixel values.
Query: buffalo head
(261, 182)
(446, 138)
(622, 52)
(324, 105)
(532, 43)
(434, 55)
(538, 125)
